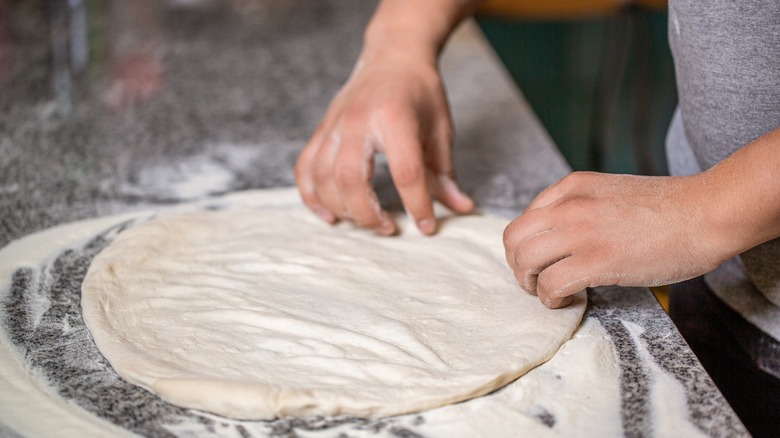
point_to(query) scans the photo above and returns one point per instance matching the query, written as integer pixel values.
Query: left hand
(592, 229)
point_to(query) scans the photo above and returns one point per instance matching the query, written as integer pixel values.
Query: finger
(405, 160)
(558, 282)
(571, 184)
(442, 179)
(445, 188)
(523, 227)
(304, 177)
(353, 175)
(323, 171)
(535, 254)
(547, 196)
(557, 303)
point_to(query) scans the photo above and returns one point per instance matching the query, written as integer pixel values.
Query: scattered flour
(668, 406)
(576, 393)
(195, 177)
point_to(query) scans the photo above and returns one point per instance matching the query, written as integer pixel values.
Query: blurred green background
(602, 86)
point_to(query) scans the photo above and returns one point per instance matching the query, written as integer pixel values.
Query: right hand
(391, 104)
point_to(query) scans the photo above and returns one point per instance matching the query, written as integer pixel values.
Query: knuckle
(578, 178)
(517, 230)
(520, 259)
(507, 237)
(511, 233)
(572, 182)
(574, 209)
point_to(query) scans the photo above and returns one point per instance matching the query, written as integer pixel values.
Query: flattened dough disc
(255, 313)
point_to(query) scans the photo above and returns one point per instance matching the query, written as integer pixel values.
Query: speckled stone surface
(244, 85)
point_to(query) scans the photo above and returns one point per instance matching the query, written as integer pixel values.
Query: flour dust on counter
(220, 168)
(53, 377)
(54, 367)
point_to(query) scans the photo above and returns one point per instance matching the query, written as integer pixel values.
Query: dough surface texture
(257, 313)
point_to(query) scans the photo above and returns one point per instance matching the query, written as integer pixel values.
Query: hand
(391, 104)
(592, 229)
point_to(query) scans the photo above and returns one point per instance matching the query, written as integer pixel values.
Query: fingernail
(387, 228)
(427, 226)
(326, 216)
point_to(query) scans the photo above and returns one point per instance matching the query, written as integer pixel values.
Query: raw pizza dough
(256, 313)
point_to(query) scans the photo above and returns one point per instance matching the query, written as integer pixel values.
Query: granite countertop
(108, 108)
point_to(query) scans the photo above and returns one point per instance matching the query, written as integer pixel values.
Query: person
(719, 216)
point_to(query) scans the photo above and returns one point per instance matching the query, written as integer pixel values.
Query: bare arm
(746, 190)
(421, 27)
(393, 103)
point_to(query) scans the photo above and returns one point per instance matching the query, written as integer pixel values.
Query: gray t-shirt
(727, 59)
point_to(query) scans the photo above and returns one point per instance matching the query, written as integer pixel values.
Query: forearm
(416, 28)
(744, 206)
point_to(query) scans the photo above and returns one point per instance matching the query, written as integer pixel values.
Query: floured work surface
(266, 312)
(52, 376)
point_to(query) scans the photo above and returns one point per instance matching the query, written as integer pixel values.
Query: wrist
(396, 42)
(695, 201)
(729, 226)
(418, 29)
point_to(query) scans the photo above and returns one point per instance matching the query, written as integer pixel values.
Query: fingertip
(450, 194)
(427, 226)
(388, 229)
(462, 203)
(468, 204)
(387, 226)
(465, 204)
(558, 303)
(325, 215)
